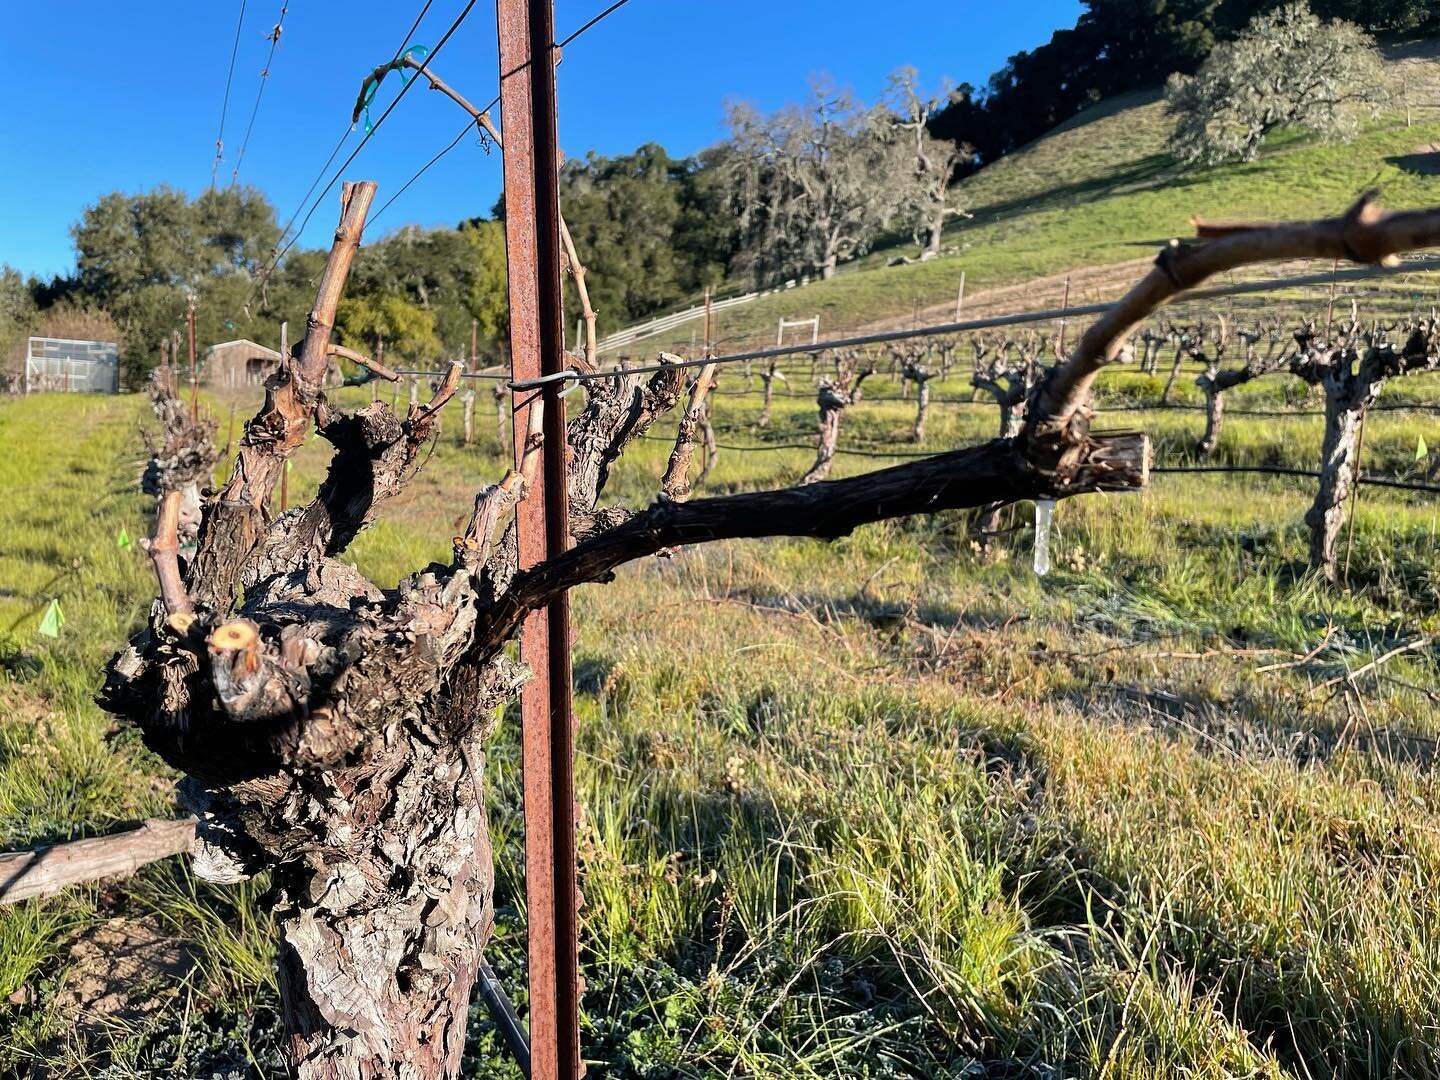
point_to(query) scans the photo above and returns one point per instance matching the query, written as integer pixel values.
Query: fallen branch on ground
(26, 875)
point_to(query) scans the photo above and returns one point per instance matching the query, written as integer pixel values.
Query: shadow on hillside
(1144, 172)
(1424, 162)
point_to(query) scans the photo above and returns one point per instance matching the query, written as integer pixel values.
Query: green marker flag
(1422, 452)
(122, 539)
(52, 620)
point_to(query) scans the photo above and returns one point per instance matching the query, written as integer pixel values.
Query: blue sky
(105, 95)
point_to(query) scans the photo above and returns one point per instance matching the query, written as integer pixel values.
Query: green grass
(885, 807)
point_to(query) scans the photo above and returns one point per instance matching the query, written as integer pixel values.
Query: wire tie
(544, 380)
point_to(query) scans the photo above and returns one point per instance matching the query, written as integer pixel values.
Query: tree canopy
(651, 229)
(1289, 68)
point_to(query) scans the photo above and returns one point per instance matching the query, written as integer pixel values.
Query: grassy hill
(1101, 190)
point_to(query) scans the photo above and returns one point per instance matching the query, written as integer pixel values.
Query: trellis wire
(965, 326)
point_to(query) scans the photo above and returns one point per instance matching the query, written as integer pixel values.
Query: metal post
(709, 333)
(1064, 306)
(190, 332)
(532, 246)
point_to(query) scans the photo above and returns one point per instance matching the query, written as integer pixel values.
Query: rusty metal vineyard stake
(532, 244)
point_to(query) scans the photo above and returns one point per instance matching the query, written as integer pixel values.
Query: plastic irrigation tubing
(1281, 470)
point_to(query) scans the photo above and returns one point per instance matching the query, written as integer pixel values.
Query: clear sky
(105, 95)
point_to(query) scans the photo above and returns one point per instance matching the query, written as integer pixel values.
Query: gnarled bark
(183, 459)
(332, 731)
(1352, 371)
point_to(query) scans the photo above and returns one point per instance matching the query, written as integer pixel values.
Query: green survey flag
(122, 539)
(1422, 452)
(52, 620)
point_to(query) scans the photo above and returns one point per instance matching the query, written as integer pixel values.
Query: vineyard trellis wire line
(274, 37)
(1133, 407)
(940, 329)
(881, 455)
(981, 403)
(601, 17)
(225, 101)
(404, 89)
(280, 252)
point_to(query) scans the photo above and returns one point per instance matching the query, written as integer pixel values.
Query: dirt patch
(119, 972)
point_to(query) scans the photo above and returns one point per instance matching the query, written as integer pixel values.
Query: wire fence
(1367, 479)
(1021, 318)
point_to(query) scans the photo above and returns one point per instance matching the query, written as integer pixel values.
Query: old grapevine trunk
(1010, 390)
(922, 406)
(1353, 371)
(183, 457)
(332, 731)
(379, 949)
(1214, 417)
(832, 402)
(1337, 478)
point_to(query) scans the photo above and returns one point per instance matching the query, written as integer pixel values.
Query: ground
(881, 807)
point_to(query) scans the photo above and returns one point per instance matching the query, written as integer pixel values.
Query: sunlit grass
(881, 807)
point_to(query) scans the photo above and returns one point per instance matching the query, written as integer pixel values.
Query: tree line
(786, 194)
(140, 260)
(789, 193)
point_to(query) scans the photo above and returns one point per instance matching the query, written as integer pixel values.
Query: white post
(960, 297)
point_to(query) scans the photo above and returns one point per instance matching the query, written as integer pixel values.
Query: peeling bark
(1352, 371)
(832, 402)
(332, 731)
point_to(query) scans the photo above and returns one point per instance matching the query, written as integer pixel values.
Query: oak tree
(1289, 68)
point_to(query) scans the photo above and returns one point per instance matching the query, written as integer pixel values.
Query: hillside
(1100, 191)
